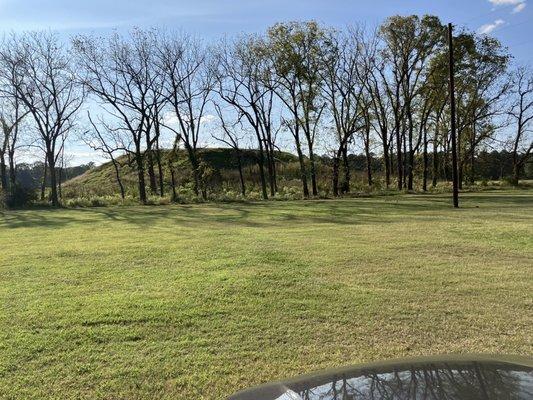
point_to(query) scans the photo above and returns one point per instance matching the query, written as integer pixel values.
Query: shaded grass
(199, 301)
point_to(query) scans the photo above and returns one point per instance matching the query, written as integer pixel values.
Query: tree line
(316, 89)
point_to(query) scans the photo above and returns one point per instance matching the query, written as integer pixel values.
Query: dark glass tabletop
(437, 378)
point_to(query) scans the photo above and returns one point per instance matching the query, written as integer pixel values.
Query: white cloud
(506, 2)
(488, 28)
(519, 7)
(171, 119)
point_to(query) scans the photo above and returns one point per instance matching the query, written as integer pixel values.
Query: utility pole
(454, 129)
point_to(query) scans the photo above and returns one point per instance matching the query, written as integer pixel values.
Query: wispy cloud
(519, 5)
(488, 28)
(506, 2)
(171, 119)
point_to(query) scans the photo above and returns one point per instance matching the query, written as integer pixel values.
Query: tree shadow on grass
(43, 218)
(353, 211)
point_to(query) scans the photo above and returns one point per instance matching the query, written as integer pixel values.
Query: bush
(99, 201)
(20, 197)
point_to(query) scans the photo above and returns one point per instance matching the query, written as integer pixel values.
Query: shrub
(99, 201)
(20, 196)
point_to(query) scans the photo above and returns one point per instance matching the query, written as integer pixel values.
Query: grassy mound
(220, 164)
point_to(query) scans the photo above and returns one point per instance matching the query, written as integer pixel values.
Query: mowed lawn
(199, 301)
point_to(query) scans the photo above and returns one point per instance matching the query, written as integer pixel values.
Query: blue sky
(511, 21)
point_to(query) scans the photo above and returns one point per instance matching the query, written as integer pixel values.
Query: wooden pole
(455, 174)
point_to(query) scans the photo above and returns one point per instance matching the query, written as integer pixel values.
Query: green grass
(196, 302)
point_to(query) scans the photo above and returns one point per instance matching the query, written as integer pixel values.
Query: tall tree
(189, 75)
(243, 82)
(521, 113)
(11, 116)
(409, 44)
(481, 87)
(380, 104)
(45, 84)
(119, 73)
(344, 94)
(297, 50)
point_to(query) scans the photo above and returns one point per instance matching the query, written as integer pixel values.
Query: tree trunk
(472, 167)
(426, 161)
(516, 174)
(335, 176)
(274, 171)
(313, 170)
(368, 160)
(53, 178)
(43, 183)
(160, 171)
(117, 177)
(241, 174)
(303, 172)
(151, 171)
(392, 159)
(399, 162)
(386, 161)
(60, 182)
(149, 156)
(3, 173)
(12, 170)
(270, 168)
(404, 159)
(140, 175)
(411, 160)
(191, 153)
(435, 158)
(347, 176)
(262, 176)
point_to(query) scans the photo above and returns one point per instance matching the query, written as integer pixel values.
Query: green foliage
(18, 196)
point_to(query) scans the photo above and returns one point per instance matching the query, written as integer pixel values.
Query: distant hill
(220, 164)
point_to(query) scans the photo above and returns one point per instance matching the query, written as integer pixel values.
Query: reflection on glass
(432, 382)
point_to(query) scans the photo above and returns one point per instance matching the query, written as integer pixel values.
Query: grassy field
(196, 302)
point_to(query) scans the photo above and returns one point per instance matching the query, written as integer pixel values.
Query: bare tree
(521, 113)
(379, 105)
(11, 116)
(45, 84)
(344, 95)
(120, 74)
(109, 142)
(231, 138)
(185, 63)
(241, 75)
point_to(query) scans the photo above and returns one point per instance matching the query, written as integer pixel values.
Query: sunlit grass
(196, 302)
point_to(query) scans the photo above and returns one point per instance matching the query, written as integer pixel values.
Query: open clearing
(196, 302)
